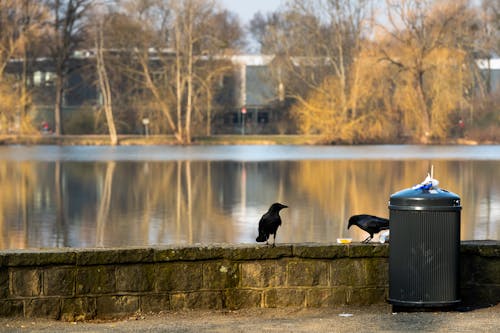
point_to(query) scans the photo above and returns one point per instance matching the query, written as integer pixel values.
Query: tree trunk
(189, 104)
(422, 100)
(105, 88)
(58, 105)
(178, 83)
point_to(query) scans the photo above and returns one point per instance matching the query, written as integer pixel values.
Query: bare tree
(69, 24)
(174, 56)
(422, 41)
(316, 43)
(21, 24)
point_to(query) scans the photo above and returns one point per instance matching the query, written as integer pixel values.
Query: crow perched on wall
(269, 223)
(369, 223)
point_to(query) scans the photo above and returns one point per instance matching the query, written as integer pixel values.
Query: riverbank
(130, 140)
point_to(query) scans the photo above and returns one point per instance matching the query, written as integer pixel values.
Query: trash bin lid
(421, 199)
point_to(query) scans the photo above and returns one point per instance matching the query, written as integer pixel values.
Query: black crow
(369, 223)
(269, 223)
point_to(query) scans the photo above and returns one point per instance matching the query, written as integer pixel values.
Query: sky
(247, 8)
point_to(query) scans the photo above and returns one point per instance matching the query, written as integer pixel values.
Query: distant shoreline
(129, 140)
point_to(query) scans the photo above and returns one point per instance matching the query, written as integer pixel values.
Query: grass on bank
(128, 140)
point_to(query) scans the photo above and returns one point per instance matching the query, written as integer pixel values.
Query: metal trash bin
(424, 249)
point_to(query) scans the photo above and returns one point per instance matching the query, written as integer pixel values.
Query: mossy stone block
(43, 308)
(235, 299)
(56, 257)
(114, 256)
(179, 276)
(220, 275)
(258, 252)
(4, 282)
(467, 269)
(326, 297)
(487, 271)
(308, 273)
(135, 278)
(94, 280)
(59, 281)
(284, 297)
(44, 257)
(20, 258)
(346, 272)
(25, 282)
(78, 309)
(188, 253)
(485, 248)
(321, 251)
(107, 306)
(210, 300)
(368, 250)
(155, 302)
(11, 308)
(366, 296)
(263, 274)
(376, 272)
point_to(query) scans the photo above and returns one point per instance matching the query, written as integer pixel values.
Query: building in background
(249, 99)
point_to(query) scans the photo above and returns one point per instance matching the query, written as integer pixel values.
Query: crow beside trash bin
(369, 223)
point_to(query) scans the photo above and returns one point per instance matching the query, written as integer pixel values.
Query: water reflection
(129, 203)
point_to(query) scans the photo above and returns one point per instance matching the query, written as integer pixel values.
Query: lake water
(86, 196)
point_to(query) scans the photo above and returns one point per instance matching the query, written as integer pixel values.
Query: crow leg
(274, 240)
(367, 240)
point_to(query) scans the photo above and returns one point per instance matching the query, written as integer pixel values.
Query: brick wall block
(43, 307)
(95, 280)
(268, 273)
(220, 275)
(25, 282)
(135, 278)
(326, 297)
(179, 277)
(308, 273)
(283, 297)
(196, 300)
(376, 272)
(116, 305)
(78, 308)
(487, 271)
(59, 281)
(346, 272)
(317, 251)
(110, 256)
(366, 296)
(155, 302)
(4, 282)
(235, 299)
(11, 308)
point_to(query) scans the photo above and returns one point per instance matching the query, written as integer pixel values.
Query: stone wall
(75, 284)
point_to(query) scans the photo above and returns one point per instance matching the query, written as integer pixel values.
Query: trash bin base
(409, 304)
(396, 308)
